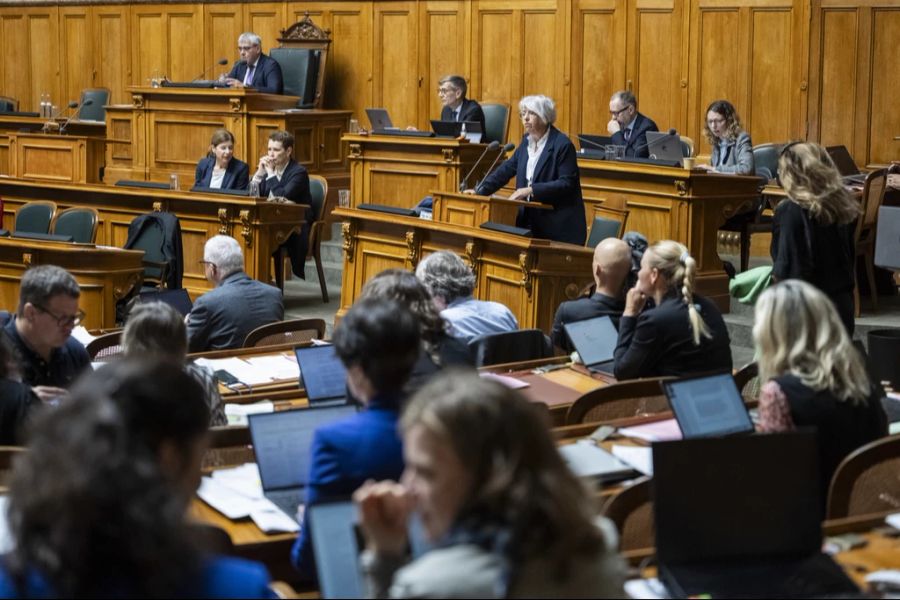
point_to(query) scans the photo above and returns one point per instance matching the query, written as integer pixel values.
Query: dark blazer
(237, 174)
(267, 77)
(637, 143)
(294, 186)
(343, 456)
(582, 309)
(223, 317)
(555, 182)
(170, 249)
(659, 342)
(469, 111)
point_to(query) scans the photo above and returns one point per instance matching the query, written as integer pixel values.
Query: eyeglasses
(616, 113)
(64, 321)
(206, 262)
(446, 90)
(718, 121)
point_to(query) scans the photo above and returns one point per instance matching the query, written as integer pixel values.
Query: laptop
(741, 516)
(453, 129)
(281, 442)
(595, 340)
(664, 146)
(322, 374)
(708, 405)
(887, 238)
(177, 299)
(845, 165)
(594, 142)
(589, 461)
(379, 119)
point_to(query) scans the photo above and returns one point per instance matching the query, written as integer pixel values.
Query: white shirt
(534, 153)
(217, 178)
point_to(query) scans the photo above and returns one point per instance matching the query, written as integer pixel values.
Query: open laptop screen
(708, 406)
(322, 373)
(282, 439)
(842, 160)
(594, 339)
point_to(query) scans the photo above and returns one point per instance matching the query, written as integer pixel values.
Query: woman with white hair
(813, 375)
(546, 171)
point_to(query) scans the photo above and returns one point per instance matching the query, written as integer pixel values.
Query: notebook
(741, 516)
(708, 405)
(595, 340)
(322, 374)
(845, 164)
(664, 146)
(281, 442)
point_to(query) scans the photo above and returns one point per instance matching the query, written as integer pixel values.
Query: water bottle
(254, 188)
(173, 181)
(462, 131)
(45, 105)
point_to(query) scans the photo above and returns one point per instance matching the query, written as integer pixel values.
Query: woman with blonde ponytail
(683, 333)
(814, 375)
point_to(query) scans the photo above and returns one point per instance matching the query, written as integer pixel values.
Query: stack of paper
(237, 493)
(658, 431)
(237, 413)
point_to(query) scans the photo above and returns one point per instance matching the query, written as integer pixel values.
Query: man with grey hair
(255, 69)
(456, 107)
(223, 317)
(51, 359)
(627, 126)
(451, 283)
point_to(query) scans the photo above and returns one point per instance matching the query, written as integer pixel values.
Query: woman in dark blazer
(220, 169)
(546, 171)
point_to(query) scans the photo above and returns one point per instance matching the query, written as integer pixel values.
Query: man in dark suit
(627, 126)
(280, 176)
(223, 317)
(612, 262)
(456, 107)
(255, 69)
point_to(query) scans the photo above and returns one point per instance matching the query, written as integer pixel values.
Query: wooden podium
(53, 157)
(472, 210)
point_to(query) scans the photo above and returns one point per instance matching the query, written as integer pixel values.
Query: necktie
(248, 78)
(627, 134)
(456, 114)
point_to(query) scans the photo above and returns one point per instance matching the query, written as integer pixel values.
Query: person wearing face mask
(546, 171)
(220, 169)
(504, 514)
(732, 150)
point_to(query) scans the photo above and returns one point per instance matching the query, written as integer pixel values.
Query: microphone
(465, 180)
(88, 102)
(219, 63)
(591, 143)
(52, 125)
(505, 149)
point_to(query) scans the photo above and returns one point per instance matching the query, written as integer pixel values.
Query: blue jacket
(219, 577)
(237, 174)
(267, 77)
(343, 456)
(637, 143)
(556, 182)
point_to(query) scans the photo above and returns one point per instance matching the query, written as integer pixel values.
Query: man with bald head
(612, 262)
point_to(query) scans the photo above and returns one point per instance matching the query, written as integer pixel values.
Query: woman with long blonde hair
(813, 230)
(814, 376)
(683, 333)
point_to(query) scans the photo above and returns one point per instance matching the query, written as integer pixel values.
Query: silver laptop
(664, 146)
(379, 118)
(595, 341)
(708, 406)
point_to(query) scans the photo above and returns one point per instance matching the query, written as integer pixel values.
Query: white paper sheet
(639, 458)
(237, 413)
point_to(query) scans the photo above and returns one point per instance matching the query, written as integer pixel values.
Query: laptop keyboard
(286, 500)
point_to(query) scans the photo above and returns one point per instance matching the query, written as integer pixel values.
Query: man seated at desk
(627, 126)
(51, 359)
(451, 283)
(612, 262)
(222, 318)
(456, 107)
(255, 69)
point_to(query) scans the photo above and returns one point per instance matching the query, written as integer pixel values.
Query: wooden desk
(672, 203)
(12, 123)
(399, 171)
(472, 210)
(530, 276)
(104, 274)
(258, 226)
(58, 158)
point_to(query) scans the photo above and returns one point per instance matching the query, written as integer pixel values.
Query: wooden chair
(78, 222)
(496, 122)
(866, 225)
(229, 445)
(608, 222)
(322, 206)
(297, 46)
(35, 217)
(96, 110)
(632, 512)
(619, 401)
(687, 146)
(106, 346)
(748, 383)
(294, 331)
(510, 346)
(867, 481)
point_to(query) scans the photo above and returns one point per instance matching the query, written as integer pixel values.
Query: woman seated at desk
(682, 334)
(507, 517)
(814, 376)
(546, 171)
(732, 150)
(220, 169)
(98, 503)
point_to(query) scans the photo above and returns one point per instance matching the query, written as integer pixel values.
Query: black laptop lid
(336, 547)
(322, 374)
(282, 440)
(594, 142)
(594, 339)
(177, 299)
(708, 405)
(842, 160)
(743, 497)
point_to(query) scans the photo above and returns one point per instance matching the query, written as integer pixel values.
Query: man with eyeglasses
(456, 107)
(255, 69)
(627, 126)
(51, 359)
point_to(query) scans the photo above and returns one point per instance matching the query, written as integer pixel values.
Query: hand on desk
(235, 83)
(469, 191)
(634, 302)
(708, 168)
(521, 194)
(384, 509)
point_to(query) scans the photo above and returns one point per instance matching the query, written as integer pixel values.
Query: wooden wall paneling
(654, 64)
(185, 36)
(444, 44)
(833, 78)
(884, 125)
(76, 55)
(222, 24)
(598, 62)
(397, 84)
(29, 40)
(544, 55)
(150, 48)
(112, 50)
(497, 56)
(266, 20)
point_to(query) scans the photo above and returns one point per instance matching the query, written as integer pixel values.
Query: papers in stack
(237, 413)
(255, 370)
(587, 460)
(657, 431)
(510, 382)
(81, 334)
(237, 493)
(640, 458)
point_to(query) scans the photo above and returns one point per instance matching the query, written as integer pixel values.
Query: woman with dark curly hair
(507, 518)
(97, 504)
(732, 150)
